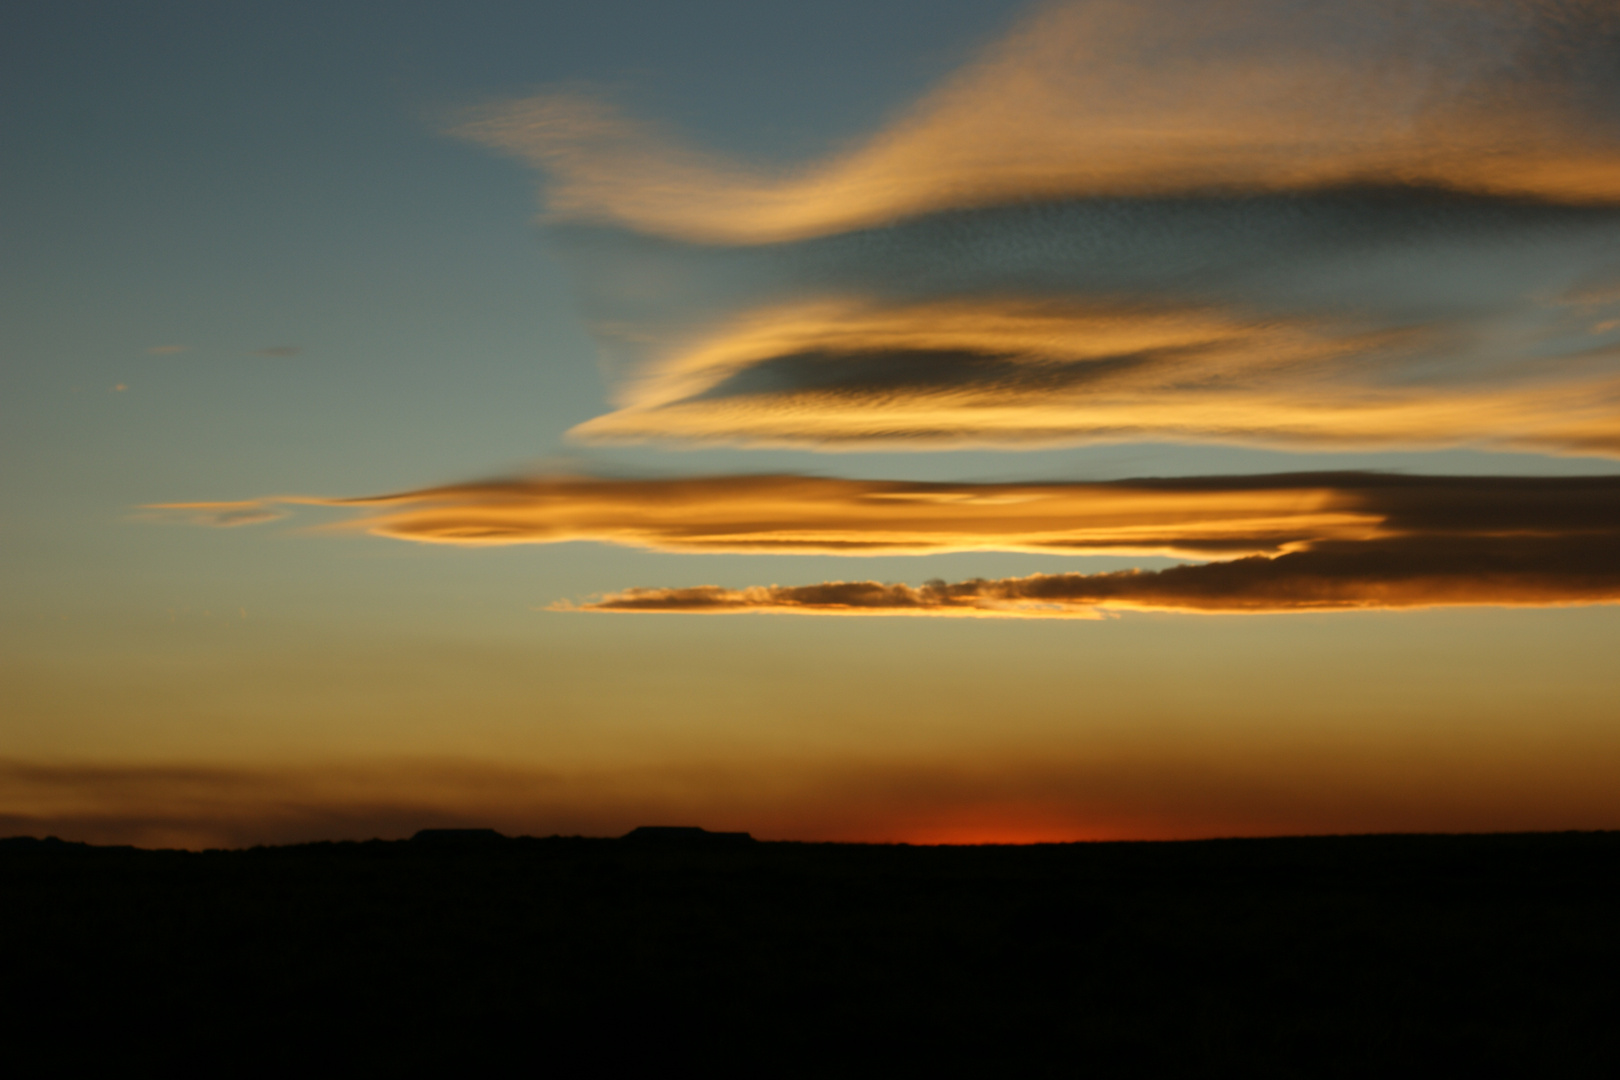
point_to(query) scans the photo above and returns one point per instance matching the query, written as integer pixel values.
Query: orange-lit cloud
(1299, 225)
(1357, 541)
(1409, 572)
(818, 515)
(1292, 542)
(1014, 372)
(1196, 516)
(1132, 97)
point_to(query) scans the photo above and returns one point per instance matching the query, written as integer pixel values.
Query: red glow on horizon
(988, 832)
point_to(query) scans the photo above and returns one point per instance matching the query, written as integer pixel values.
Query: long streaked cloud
(785, 514)
(778, 514)
(1408, 572)
(1288, 223)
(1290, 542)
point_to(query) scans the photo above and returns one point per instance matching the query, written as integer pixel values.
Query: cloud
(279, 350)
(1201, 517)
(1133, 97)
(1362, 365)
(1281, 223)
(1405, 572)
(819, 515)
(222, 514)
(166, 350)
(1354, 540)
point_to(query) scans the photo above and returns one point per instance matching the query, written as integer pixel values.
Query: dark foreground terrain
(1326, 956)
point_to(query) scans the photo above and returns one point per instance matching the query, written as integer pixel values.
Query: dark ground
(1310, 957)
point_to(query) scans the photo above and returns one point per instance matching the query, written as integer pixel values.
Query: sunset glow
(342, 486)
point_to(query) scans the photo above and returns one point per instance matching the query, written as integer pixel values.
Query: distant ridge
(33, 842)
(457, 836)
(684, 835)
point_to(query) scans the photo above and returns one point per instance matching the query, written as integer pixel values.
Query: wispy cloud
(279, 351)
(1290, 223)
(1372, 354)
(821, 515)
(222, 514)
(166, 350)
(1133, 97)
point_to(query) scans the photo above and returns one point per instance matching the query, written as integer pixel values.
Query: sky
(896, 421)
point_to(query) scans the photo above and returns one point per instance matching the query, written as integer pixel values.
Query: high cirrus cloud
(1293, 223)
(1129, 97)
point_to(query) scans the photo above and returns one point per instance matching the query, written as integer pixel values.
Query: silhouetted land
(1326, 956)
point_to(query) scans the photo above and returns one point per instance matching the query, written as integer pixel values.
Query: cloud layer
(1297, 224)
